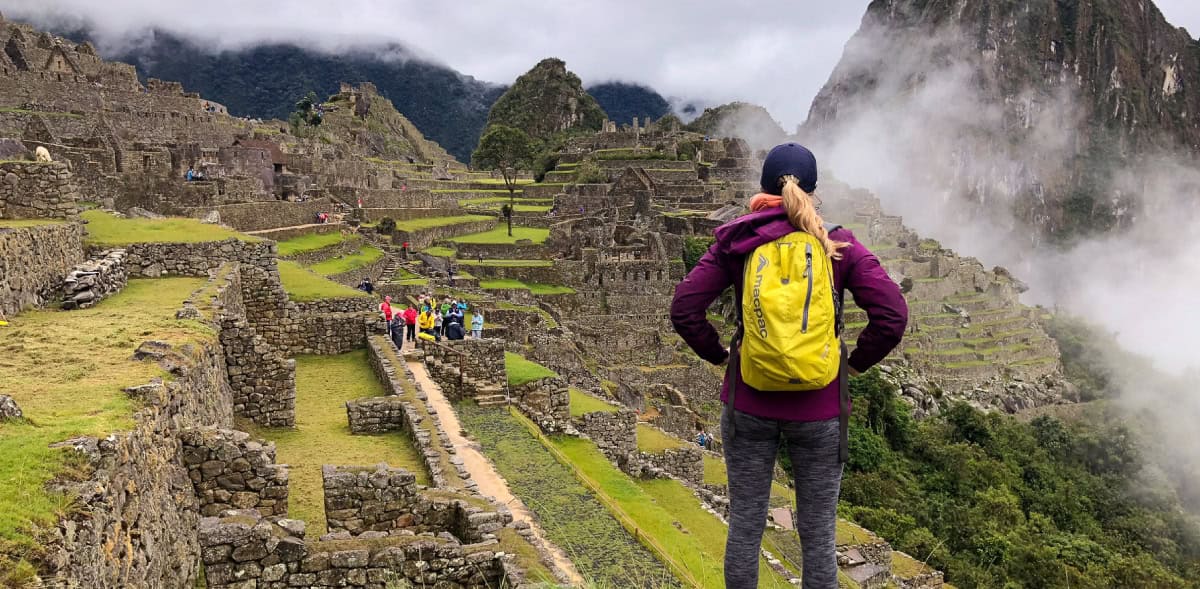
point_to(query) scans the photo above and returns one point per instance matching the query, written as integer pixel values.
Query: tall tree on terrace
(508, 151)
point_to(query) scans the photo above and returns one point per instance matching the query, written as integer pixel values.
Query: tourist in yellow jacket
(425, 321)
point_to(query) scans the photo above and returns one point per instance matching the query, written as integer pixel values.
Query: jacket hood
(742, 235)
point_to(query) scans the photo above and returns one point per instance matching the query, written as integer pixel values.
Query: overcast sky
(776, 53)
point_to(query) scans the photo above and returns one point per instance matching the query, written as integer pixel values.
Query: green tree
(508, 151)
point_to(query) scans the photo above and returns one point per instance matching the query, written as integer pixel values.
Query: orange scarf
(763, 201)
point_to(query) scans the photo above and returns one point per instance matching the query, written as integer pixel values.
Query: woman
(809, 421)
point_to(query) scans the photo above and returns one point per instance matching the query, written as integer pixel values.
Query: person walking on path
(385, 309)
(410, 324)
(812, 421)
(477, 324)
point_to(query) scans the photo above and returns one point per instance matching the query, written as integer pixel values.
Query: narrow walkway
(306, 226)
(489, 482)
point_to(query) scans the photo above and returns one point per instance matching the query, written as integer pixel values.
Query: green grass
(302, 284)
(18, 223)
(365, 256)
(714, 471)
(666, 511)
(66, 370)
(501, 181)
(499, 235)
(322, 434)
(440, 251)
(583, 403)
(509, 263)
(521, 371)
(573, 519)
(488, 200)
(105, 229)
(431, 222)
(532, 287)
(309, 242)
(652, 440)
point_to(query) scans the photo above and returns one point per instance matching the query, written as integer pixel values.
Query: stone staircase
(447, 375)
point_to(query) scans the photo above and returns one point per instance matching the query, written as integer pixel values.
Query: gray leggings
(750, 460)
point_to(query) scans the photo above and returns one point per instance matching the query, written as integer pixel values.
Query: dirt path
(489, 482)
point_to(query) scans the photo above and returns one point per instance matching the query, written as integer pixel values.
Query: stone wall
(376, 415)
(683, 463)
(231, 471)
(134, 520)
(615, 433)
(258, 216)
(481, 367)
(307, 328)
(94, 280)
(262, 378)
(388, 500)
(241, 550)
(422, 424)
(57, 247)
(153, 260)
(503, 251)
(364, 304)
(546, 401)
(33, 190)
(423, 238)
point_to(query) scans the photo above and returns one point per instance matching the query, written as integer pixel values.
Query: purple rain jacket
(858, 270)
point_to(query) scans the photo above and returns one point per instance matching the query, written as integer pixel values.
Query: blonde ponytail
(804, 216)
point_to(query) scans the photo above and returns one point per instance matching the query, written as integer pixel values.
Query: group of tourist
(435, 319)
(193, 175)
(704, 440)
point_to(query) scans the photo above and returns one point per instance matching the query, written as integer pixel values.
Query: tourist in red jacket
(410, 323)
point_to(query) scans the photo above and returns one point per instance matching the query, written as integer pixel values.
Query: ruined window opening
(278, 168)
(147, 162)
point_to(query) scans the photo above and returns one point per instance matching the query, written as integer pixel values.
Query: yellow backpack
(791, 316)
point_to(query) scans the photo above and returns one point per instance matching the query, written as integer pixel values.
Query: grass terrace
(500, 200)
(499, 235)
(440, 251)
(532, 287)
(509, 263)
(310, 242)
(500, 181)
(106, 229)
(406, 278)
(365, 256)
(431, 222)
(521, 371)
(22, 111)
(485, 191)
(665, 511)
(304, 285)
(67, 370)
(583, 403)
(574, 519)
(654, 441)
(322, 434)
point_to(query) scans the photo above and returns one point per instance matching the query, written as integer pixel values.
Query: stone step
(491, 400)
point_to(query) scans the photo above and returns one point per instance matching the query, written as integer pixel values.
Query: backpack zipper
(808, 271)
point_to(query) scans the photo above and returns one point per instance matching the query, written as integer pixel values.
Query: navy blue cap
(789, 159)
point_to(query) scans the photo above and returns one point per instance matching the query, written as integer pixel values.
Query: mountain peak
(546, 100)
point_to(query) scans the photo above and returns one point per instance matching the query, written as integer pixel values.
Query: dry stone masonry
(231, 471)
(57, 247)
(243, 550)
(94, 280)
(36, 190)
(360, 500)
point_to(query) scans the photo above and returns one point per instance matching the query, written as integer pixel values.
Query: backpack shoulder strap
(831, 227)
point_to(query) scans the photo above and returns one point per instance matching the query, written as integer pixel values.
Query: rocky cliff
(547, 99)
(1036, 104)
